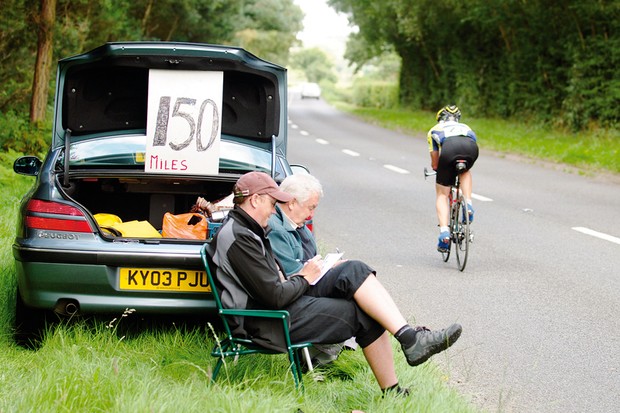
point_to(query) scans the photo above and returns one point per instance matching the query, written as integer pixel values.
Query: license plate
(158, 279)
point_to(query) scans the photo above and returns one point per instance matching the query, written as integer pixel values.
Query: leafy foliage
(375, 94)
(552, 61)
(267, 28)
(19, 135)
(315, 64)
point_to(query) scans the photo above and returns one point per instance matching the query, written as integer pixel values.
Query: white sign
(184, 122)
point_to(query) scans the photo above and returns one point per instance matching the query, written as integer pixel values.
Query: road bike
(460, 232)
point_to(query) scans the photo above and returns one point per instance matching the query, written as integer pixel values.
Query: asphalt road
(539, 300)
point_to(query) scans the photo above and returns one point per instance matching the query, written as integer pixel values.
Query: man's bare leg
(441, 204)
(465, 183)
(373, 298)
(381, 360)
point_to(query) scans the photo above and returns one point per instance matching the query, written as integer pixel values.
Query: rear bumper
(94, 287)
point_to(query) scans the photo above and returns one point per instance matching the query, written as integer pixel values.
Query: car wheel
(30, 324)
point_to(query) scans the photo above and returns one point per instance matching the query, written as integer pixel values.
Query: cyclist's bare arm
(434, 160)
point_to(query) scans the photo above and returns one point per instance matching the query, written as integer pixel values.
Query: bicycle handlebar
(427, 173)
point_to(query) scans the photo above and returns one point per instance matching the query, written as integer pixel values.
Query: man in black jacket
(330, 311)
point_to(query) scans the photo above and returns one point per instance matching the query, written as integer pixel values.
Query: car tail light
(310, 224)
(55, 216)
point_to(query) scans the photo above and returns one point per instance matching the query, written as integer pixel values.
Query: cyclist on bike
(450, 141)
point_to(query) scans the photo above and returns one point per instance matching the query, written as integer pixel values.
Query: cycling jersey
(445, 130)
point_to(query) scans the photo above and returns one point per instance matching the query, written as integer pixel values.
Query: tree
(203, 21)
(16, 58)
(552, 60)
(43, 65)
(268, 28)
(315, 64)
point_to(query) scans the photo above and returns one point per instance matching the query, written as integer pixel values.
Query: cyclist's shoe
(444, 242)
(428, 343)
(470, 211)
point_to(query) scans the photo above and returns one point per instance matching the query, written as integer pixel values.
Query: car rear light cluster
(55, 216)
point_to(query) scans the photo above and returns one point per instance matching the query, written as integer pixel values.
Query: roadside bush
(375, 94)
(331, 93)
(593, 100)
(19, 135)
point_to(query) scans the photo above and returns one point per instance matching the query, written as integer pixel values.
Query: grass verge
(591, 151)
(132, 364)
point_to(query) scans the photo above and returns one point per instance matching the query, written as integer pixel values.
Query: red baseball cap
(262, 184)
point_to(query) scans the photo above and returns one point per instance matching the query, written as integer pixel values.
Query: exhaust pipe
(67, 307)
(71, 308)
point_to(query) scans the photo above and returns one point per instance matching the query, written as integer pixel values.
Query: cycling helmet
(450, 112)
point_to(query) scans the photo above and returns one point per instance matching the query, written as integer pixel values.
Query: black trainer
(430, 342)
(396, 390)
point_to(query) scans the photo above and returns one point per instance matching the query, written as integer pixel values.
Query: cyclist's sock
(444, 229)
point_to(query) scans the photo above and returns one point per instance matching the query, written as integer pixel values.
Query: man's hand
(312, 269)
(203, 206)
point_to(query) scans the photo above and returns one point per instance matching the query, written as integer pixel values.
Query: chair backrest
(210, 269)
(235, 346)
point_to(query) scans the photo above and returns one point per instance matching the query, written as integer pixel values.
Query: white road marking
(294, 126)
(392, 167)
(396, 169)
(481, 198)
(597, 234)
(304, 133)
(350, 152)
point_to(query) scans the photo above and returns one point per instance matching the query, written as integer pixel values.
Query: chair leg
(307, 357)
(295, 367)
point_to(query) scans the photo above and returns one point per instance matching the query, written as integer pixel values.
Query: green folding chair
(231, 346)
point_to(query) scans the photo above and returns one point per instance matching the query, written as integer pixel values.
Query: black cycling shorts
(454, 149)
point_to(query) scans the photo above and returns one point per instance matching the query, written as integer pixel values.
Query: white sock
(444, 229)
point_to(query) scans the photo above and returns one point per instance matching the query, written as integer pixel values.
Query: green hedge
(16, 133)
(375, 94)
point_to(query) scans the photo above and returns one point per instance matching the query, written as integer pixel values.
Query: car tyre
(30, 324)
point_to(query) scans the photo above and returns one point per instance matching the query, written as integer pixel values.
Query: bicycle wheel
(461, 233)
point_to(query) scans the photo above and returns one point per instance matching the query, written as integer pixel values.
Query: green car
(141, 130)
